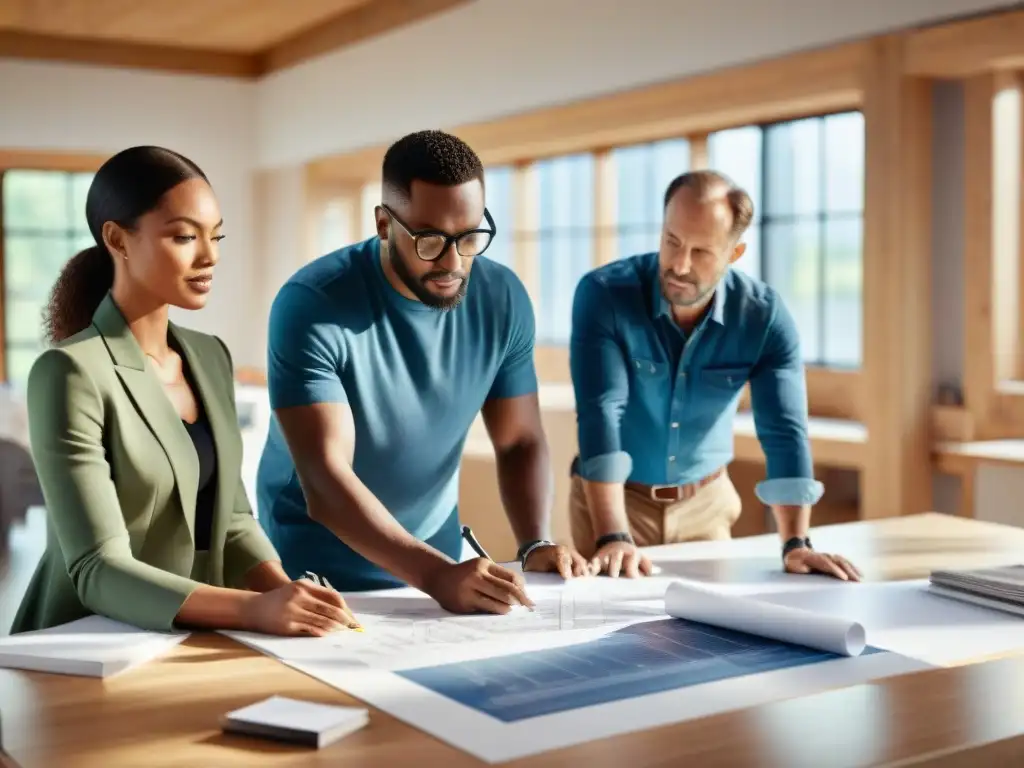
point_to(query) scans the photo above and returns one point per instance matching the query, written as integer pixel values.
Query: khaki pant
(707, 515)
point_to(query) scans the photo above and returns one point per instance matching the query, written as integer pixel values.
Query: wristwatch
(610, 538)
(527, 549)
(797, 542)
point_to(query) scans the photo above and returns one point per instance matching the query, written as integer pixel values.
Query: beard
(700, 292)
(677, 298)
(418, 285)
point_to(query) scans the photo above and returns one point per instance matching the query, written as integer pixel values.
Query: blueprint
(403, 629)
(637, 661)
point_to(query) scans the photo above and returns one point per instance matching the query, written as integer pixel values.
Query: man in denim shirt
(662, 344)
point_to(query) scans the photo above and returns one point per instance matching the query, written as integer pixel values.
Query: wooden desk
(166, 714)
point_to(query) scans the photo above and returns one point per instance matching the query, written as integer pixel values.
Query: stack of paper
(92, 647)
(301, 722)
(1000, 588)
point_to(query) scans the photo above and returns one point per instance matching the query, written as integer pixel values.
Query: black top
(206, 450)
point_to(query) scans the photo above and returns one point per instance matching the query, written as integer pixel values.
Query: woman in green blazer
(134, 432)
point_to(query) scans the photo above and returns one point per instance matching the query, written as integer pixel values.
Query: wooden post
(897, 477)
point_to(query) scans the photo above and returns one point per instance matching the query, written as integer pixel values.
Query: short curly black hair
(432, 156)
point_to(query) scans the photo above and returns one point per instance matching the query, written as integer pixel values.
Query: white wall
(282, 244)
(57, 107)
(495, 57)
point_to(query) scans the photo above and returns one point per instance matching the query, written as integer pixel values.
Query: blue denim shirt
(656, 405)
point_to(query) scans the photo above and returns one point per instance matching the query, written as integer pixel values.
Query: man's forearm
(340, 501)
(792, 520)
(526, 486)
(606, 503)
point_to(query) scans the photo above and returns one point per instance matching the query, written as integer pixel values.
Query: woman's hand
(298, 608)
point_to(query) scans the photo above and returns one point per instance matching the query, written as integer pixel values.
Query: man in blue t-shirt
(381, 355)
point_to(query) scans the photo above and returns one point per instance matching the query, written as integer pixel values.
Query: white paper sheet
(93, 647)
(908, 618)
(404, 627)
(779, 622)
(916, 629)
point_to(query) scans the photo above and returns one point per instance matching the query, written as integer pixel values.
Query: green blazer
(119, 475)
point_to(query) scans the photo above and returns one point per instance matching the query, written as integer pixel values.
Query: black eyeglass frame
(448, 239)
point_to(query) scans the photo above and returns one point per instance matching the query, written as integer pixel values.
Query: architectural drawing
(639, 660)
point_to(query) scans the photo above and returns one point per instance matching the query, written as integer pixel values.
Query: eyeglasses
(432, 244)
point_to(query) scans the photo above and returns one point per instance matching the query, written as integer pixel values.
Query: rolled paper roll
(755, 617)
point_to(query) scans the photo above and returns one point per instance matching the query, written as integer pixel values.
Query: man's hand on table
(805, 560)
(620, 558)
(557, 558)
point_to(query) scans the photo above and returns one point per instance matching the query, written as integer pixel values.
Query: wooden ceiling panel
(232, 38)
(236, 26)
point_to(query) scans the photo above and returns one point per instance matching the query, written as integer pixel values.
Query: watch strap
(611, 538)
(528, 548)
(796, 542)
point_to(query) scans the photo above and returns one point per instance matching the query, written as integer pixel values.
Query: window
(737, 154)
(806, 239)
(642, 174)
(43, 226)
(335, 229)
(500, 202)
(564, 240)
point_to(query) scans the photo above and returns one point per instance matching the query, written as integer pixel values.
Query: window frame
(552, 367)
(68, 235)
(616, 228)
(993, 374)
(821, 216)
(27, 160)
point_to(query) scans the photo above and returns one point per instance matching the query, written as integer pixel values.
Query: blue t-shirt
(415, 378)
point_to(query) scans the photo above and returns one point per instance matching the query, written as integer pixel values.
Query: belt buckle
(676, 495)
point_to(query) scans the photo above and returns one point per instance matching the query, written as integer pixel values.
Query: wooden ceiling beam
(28, 45)
(349, 27)
(346, 28)
(967, 48)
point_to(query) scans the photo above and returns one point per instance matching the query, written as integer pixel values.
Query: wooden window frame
(993, 261)
(987, 55)
(31, 160)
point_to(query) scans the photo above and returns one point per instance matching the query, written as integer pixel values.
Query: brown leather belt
(674, 493)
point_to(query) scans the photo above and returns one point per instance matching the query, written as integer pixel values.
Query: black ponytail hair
(127, 186)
